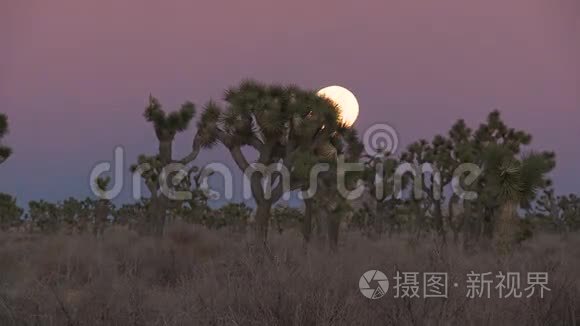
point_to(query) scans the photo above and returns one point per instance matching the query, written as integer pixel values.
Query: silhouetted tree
(5, 151)
(10, 213)
(561, 213)
(102, 208)
(284, 125)
(330, 202)
(44, 215)
(70, 210)
(515, 181)
(166, 127)
(380, 208)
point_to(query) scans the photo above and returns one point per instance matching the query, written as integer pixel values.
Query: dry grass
(200, 277)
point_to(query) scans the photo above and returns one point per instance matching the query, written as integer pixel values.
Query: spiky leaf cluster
(495, 131)
(270, 114)
(514, 178)
(102, 184)
(167, 125)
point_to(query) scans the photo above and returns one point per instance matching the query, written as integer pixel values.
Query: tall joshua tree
(382, 207)
(515, 181)
(166, 127)
(5, 151)
(330, 204)
(284, 124)
(445, 154)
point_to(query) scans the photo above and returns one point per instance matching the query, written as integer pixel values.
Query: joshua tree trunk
(456, 221)
(333, 230)
(263, 212)
(82, 223)
(165, 150)
(419, 219)
(439, 221)
(488, 224)
(378, 220)
(505, 229)
(471, 231)
(155, 217)
(307, 223)
(321, 226)
(101, 213)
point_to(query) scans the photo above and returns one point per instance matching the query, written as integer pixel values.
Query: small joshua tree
(69, 211)
(10, 213)
(44, 215)
(103, 206)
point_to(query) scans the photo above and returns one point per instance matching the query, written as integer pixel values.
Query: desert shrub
(196, 276)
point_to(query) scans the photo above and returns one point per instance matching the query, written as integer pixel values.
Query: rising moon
(345, 100)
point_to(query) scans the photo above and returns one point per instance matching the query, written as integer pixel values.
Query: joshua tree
(494, 132)
(86, 214)
(102, 208)
(570, 207)
(444, 154)
(383, 203)
(70, 210)
(44, 215)
(447, 152)
(195, 209)
(547, 208)
(5, 151)
(10, 213)
(331, 209)
(515, 181)
(286, 126)
(561, 212)
(152, 168)
(330, 204)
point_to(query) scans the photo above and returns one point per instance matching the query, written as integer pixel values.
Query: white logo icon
(373, 284)
(380, 139)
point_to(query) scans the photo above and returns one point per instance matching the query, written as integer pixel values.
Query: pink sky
(75, 74)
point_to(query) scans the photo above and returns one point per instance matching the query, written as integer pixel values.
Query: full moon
(345, 100)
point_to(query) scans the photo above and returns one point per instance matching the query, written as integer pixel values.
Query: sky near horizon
(75, 74)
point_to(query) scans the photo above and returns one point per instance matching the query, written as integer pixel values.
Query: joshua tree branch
(278, 191)
(256, 143)
(196, 148)
(239, 158)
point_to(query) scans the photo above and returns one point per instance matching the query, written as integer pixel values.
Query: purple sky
(75, 74)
